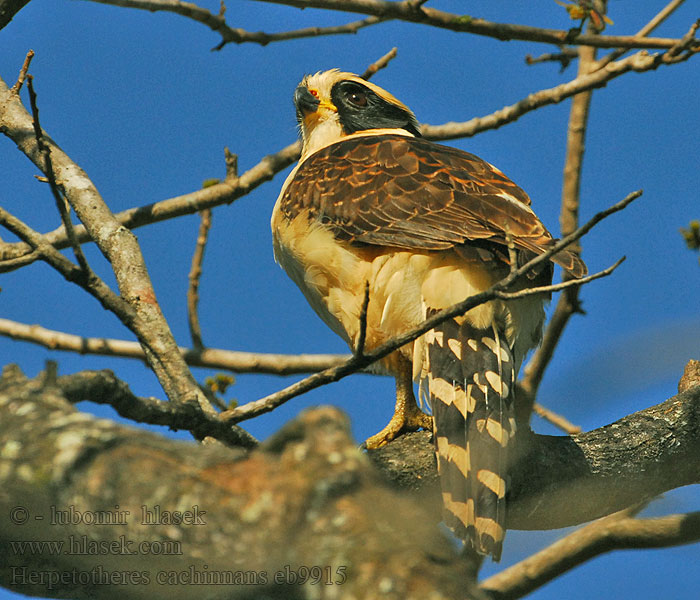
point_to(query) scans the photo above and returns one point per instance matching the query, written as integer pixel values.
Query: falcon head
(331, 105)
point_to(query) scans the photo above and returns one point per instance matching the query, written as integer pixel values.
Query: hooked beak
(306, 103)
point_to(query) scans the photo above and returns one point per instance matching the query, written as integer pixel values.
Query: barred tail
(470, 380)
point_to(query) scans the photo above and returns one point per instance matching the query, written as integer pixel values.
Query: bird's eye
(358, 98)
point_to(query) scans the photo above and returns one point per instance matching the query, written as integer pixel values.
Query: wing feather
(406, 192)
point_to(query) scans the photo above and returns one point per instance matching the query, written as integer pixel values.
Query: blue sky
(143, 105)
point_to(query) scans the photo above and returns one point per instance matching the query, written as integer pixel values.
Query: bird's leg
(407, 415)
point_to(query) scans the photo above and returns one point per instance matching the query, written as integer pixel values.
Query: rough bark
(9, 8)
(307, 504)
(558, 481)
(305, 498)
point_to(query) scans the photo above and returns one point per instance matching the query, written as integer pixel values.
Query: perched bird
(373, 209)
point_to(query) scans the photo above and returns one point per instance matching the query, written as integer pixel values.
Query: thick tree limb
(309, 485)
(102, 387)
(9, 8)
(307, 499)
(562, 481)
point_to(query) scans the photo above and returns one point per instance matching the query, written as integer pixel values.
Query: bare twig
(406, 11)
(136, 306)
(231, 165)
(15, 89)
(194, 276)
(221, 193)
(51, 179)
(212, 358)
(556, 419)
(355, 363)
(568, 302)
(659, 18)
(615, 532)
(557, 287)
(94, 286)
(380, 64)
(638, 62)
(564, 57)
(217, 23)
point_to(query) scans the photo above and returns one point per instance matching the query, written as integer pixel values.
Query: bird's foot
(402, 421)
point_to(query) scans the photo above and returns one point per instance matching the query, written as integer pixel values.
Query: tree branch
(559, 481)
(555, 419)
(568, 303)
(408, 11)
(211, 358)
(657, 20)
(102, 387)
(9, 8)
(217, 23)
(117, 244)
(619, 531)
(194, 276)
(639, 62)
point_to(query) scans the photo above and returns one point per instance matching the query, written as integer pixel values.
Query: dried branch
(211, 358)
(44, 149)
(194, 275)
(102, 387)
(221, 193)
(619, 531)
(217, 23)
(357, 362)
(568, 302)
(407, 10)
(564, 58)
(639, 62)
(380, 64)
(46, 252)
(556, 419)
(22, 73)
(270, 165)
(117, 244)
(659, 18)
(558, 287)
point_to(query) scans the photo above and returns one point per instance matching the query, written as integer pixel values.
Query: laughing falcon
(373, 206)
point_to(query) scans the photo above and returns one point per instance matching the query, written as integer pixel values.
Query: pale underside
(402, 283)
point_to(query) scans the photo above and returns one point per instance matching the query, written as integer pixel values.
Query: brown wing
(406, 192)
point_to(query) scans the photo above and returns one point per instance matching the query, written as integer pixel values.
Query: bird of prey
(373, 210)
